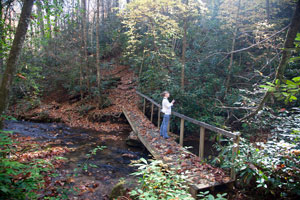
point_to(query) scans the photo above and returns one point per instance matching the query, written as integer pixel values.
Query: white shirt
(166, 106)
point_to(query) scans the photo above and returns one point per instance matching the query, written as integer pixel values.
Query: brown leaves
(169, 151)
(21, 76)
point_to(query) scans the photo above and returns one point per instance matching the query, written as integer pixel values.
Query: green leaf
(93, 165)
(290, 82)
(144, 160)
(296, 79)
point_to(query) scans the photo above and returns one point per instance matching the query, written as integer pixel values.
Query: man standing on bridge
(166, 109)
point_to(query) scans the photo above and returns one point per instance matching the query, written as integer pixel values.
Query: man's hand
(173, 102)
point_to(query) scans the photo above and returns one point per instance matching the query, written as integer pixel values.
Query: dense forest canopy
(230, 63)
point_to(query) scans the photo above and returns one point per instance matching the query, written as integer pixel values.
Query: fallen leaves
(169, 151)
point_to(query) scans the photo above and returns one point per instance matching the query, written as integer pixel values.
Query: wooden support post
(235, 150)
(152, 108)
(158, 120)
(181, 131)
(144, 108)
(201, 142)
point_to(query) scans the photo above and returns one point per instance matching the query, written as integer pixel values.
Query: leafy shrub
(19, 180)
(206, 196)
(156, 183)
(272, 166)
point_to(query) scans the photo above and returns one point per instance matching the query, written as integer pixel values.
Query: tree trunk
(268, 9)
(98, 53)
(103, 11)
(289, 44)
(48, 20)
(86, 38)
(14, 55)
(229, 68)
(2, 39)
(108, 9)
(116, 3)
(41, 17)
(83, 45)
(286, 54)
(184, 45)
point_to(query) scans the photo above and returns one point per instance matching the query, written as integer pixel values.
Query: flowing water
(112, 162)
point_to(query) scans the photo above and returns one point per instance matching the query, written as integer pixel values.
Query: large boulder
(133, 140)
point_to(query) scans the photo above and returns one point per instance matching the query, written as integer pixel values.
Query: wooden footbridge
(200, 175)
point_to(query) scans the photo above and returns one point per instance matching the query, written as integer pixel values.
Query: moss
(118, 190)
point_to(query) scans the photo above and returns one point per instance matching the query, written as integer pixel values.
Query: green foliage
(207, 196)
(156, 183)
(93, 152)
(287, 91)
(19, 180)
(272, 167)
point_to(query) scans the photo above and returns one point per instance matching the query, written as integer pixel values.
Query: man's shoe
(166, 137)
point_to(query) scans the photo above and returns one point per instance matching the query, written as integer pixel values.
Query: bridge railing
(203, 127)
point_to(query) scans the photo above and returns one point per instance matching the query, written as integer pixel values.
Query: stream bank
(94, 176)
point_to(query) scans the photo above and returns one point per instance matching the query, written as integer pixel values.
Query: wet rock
(128, 155)
(43, 116)
(113, 118)
(118, 190)
(133, 140)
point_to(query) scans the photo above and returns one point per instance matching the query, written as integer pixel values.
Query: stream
(112, 162)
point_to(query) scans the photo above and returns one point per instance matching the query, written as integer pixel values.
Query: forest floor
(85, 113)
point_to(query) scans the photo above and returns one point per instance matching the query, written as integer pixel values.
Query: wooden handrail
(194, 121)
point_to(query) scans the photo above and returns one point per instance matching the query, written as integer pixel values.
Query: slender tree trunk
(102, 11)
(14, 55)
(229, 68)
(289, 44)
(98, 67)
(48, 19)
(86, 39)
(2, 39)
(31, 40)
(268, 9)
(184, 46)
(82, 51)
(141, 67)
(55, 28)
(84, 45)
(41, 18)
(116, 3)
(107, 8)
(286, 54)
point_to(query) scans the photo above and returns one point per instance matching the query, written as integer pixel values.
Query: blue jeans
(164, 126)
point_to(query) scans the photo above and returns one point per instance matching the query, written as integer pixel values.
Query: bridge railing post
(144, 107)
(152, 108)
(235, 150)
(181, 131)
(201, 142)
